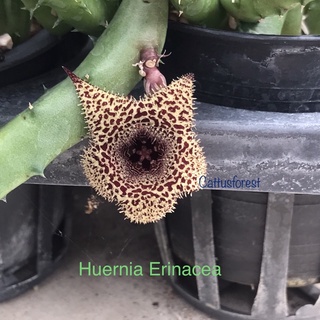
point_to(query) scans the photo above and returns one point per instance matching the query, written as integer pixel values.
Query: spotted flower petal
(143, 154)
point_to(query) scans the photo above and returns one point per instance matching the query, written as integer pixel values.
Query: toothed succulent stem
(29, 142)
(46, 17)
(208, 13)
(88, 16)
(266, 17)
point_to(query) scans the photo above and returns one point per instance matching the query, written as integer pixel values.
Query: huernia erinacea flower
(143, 154)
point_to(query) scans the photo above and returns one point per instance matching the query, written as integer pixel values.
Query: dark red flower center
(144, 153)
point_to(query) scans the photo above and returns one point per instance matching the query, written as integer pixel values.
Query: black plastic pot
(39, 54)
(34, 233)
(239, 223)
(266, 244)
(239, 220)
(257, 72)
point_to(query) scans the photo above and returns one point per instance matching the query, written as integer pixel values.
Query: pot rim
(31, 48)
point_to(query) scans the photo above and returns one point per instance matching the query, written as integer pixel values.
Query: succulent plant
(147, 144)
(278, 17)
(142, 153)
(54, 123)
(254, 10)
(288, 23)
(47, 17)
(88, 16)
(209, 13)
(311, 17)
(285, 17)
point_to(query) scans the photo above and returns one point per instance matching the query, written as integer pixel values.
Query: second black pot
(256, 72)
(239, 220)
(39, 54)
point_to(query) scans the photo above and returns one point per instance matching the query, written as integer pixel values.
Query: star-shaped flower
(143, 154)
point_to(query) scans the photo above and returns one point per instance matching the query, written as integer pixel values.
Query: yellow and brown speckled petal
(143, 154)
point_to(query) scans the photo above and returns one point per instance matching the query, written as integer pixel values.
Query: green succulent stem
(311, 17)
(87, 16)
(208, 13)
(54, 123)
(46, 17)
(289, 23)
(254, 10)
